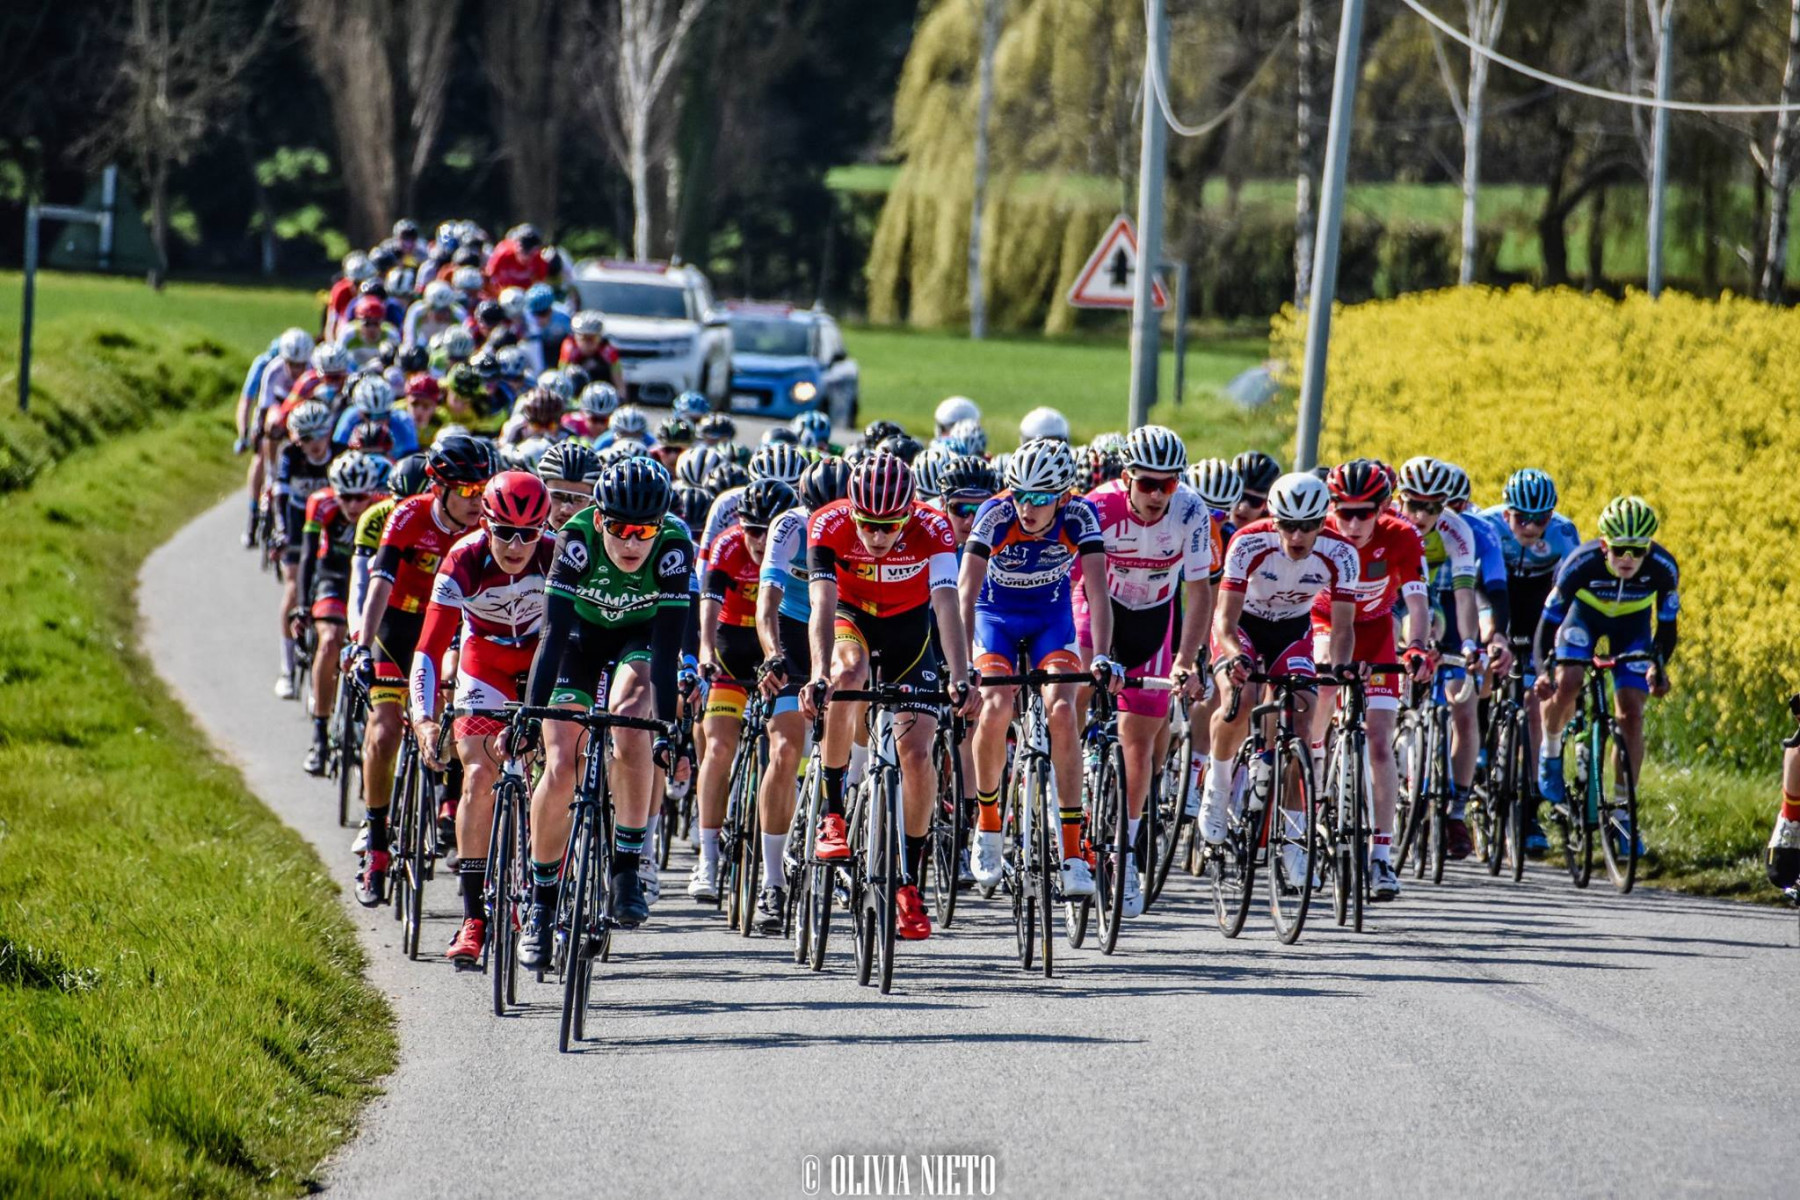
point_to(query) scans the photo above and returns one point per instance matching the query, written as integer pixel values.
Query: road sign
(1106, 280)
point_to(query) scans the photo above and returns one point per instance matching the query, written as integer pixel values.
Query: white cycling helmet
(599, 400)
(466, 279)
(310, 419)
(954, 409)
(357, 266)
(372, 396)
(357, 474)
(296, 345)
(512, 300)
(1043, 423)
(1044, 465)
(1299, 496)
(629, 421)
(554, 380)
(970, 433)
(328, 358)
(587, 323)
(1459, 484)
(439, 295)
(778, 460)
(696, 463)
(1155, 448)
(1425, 476)
(1218, 483)
(928, 469)
(458, 344)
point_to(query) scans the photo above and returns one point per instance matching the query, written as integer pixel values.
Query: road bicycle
(676, 819)
(1427, 781)
(740, 837)
(412, 826)
(508, 893)
(949, 832)
(1603, 801)
(1505, 796)
(1032, 859)
(344, 746)
(1174, 794)
(1274, 767)
(1108, 820)
(1346, 815)
(815, 880)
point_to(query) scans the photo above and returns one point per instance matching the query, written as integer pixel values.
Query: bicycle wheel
(1049, 867)
(796, 873)
(1293, 836)
(948, 835)
(1522, 798)
(1578, 840)
(502, 960)
(1618, 815)
(1112, 841)
(1018, 853)
(578, 954)
(665, 832)
(1175, 783)
(1333, 811)
(1497, 796)
(749, 857)
(1409, 749)
(887, 891)
(1232, 866)
(1441, 788)
(1359, 831)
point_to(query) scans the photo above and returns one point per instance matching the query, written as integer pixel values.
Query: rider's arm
(1225, 623)
(712, 603)
(1668, 607)
(441, 621)
(951, 634)
(359, 592)
(1099, 601)
(969, 581)
(674, 582)
(1418, 616)
(1342, 644)
(310, 553)
(821, 626)
(559, 621)
(1197, 601)
(768, 618)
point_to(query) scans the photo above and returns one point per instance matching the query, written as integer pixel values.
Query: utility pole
(1659, 145)
(1144, 317)
(1331, 226)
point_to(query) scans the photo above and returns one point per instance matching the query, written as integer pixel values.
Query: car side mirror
(839, 357)
(716, 321)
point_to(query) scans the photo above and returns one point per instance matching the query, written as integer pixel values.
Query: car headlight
(804, 390)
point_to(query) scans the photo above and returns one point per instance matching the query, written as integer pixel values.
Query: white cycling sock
(709, 846)
(1552, 745)
(288, 650)
(1381, 846)
(774, 846)
(859, 761)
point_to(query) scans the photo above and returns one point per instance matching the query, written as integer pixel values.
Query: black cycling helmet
(383, 260)
(467, 256)
(780, 434)
(372, 287)
(675, 432)
(634, 489)
(569, 462)
(716, 427)
(486, 365)
(881, 430)
(414, 358)
(1258, 471)
(527, 237)
(461, 458)
(490, 314)
(691, 504)
(902, 446)
(765, 500)
(823, 482)
(965, 477)
(464, 380)
(725, 477)
(578, 379)
(410, 476)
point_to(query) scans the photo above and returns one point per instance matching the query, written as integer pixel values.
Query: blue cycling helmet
(691, 406)
(1531, 491)
(539, 298)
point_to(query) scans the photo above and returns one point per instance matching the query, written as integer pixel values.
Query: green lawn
(244, 319)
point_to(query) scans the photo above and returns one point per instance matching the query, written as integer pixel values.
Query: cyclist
(545, 327)
(1259, 472)
(951, 410)
(490, 591)
(1452, 561)
(569, 470)
(329, 534)
(730, 653)
(420, 531)
(1025, 547)
(883, 566)
(673, 438)
(1615, 587)
(1535, 541)
(1390, 577)
(434, 313)
(302, 467)
(538, 413)
(1043, 422)
(627, 424)
(1275, 569)
(408, 478)
(1783, 861)
(618, 593)
(594, 406)
(783, 611)
(964, 484)
(1220, 488)
(518, 261)
(363, 337)
(1160, 551)
(357, 270)
(272, 377)
(372, 399)
(814, 431)
(589, 348)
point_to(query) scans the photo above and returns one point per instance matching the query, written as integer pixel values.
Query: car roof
(655, 274)
(774, 311)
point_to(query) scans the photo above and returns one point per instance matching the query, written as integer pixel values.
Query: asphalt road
(1480, 1038)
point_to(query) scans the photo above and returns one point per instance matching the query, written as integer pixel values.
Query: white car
(670, 336)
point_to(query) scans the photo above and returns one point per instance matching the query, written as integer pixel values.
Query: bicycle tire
(1359, 832)
(819, 894)
(1409, 753)
(1332, 806)
(665, 832)
(576, 954)
(1049, 856)
(1522, 795)
(1578, 850)
(1621, 867)
(1290, 917)
(1173, 820)
(1232, 866)
(887, 895)
(948, 836)
(1113, 844)
(749, 858)
(502, 958)
(1497, 799)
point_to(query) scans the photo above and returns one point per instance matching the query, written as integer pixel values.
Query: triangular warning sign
(1108, 279)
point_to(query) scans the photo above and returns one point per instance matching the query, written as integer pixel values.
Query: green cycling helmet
(1628, 519)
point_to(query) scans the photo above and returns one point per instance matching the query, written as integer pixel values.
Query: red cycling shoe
(833, 843)
(911, 921)
(465, 948)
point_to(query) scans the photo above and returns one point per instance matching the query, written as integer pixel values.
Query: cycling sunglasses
(1038, 499)
(753, 530)
(888, 524)
(1628, 549)
(1253, 500)
(1162, 486)
(565, 496)
(468, 491)
(966, 508)
(1312, 526)
(631, 531)
(520, 534)
(1422, 505)
(1358, 514)
(1529, 518)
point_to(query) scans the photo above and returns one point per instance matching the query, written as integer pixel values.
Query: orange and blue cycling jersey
(1024, 610)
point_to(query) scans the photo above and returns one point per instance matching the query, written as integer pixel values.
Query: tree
(984, 109)
(1485, 19)
(1778, 167)
(628, 87)
(181, 66)
(526, 57)
(385, 65)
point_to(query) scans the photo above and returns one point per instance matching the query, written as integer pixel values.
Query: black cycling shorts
(589, 650)
(900, 648)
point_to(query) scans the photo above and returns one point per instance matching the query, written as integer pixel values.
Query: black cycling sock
(626, 860)
(545, 894)
(915, 857)
(319, 730)
(474, 880)
(831, 779)
(378, 829)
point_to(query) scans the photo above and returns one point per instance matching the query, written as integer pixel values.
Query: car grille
(650, 393)
(674, 349)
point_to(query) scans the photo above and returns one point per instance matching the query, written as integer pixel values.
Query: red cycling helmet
(516, 498)
(881, 487)
(426, 386)
(372, 437)
(369, 308)
(1360, 481)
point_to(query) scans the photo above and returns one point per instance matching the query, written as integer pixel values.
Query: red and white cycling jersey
(1279, 588)
(1145, 563)
(490, 607)
(921, 561)
(1389, 566)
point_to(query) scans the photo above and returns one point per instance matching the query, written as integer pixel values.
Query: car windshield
(617, 299)
(761, 335)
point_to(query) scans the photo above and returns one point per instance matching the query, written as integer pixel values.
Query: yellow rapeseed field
(1692, 404)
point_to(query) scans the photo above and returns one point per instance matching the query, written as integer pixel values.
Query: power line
(1161, 88)
(1530, 72)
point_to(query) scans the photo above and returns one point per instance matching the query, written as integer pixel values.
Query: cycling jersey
(296, 477)
(721, 516)
(362, 349)
(412, 548)
(921, 561)
(1543, 556)
(1145, 563)
(731, 579)
(399, 424)
(1028, 572)
(784, 564)
(1389, 567)
(1278, 588)
(422, 322)
(253, 377)
(497, 612)
(606, 594)
(1586, 589)
(1450, 544)
(511, 266)
(277, 383)
(598, 364)
(326, 519)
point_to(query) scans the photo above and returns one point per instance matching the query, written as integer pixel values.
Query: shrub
(1687, 402)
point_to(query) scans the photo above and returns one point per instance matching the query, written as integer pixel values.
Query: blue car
(787, 360)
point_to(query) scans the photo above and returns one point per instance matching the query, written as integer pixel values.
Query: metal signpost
(35, 214)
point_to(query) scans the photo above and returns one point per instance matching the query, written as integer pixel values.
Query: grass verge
(180, 993)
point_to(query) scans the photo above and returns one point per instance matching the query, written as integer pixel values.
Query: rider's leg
(849, 670)
(550, 816)
(1384, 777)
(475, 818)
(775, 798)
(715, 777)
(914, 735)
(1065, 758)
(629, 767)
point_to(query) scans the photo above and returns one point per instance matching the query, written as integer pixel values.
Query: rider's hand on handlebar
(1108, 674)
(774, 676)
(813, 698)
(1500, 655)
(1236, 669)
(1418, 663)
(1187, 679)
(521, 738)
(1658, 678)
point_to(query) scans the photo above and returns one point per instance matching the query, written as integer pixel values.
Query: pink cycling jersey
(1145, 563)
